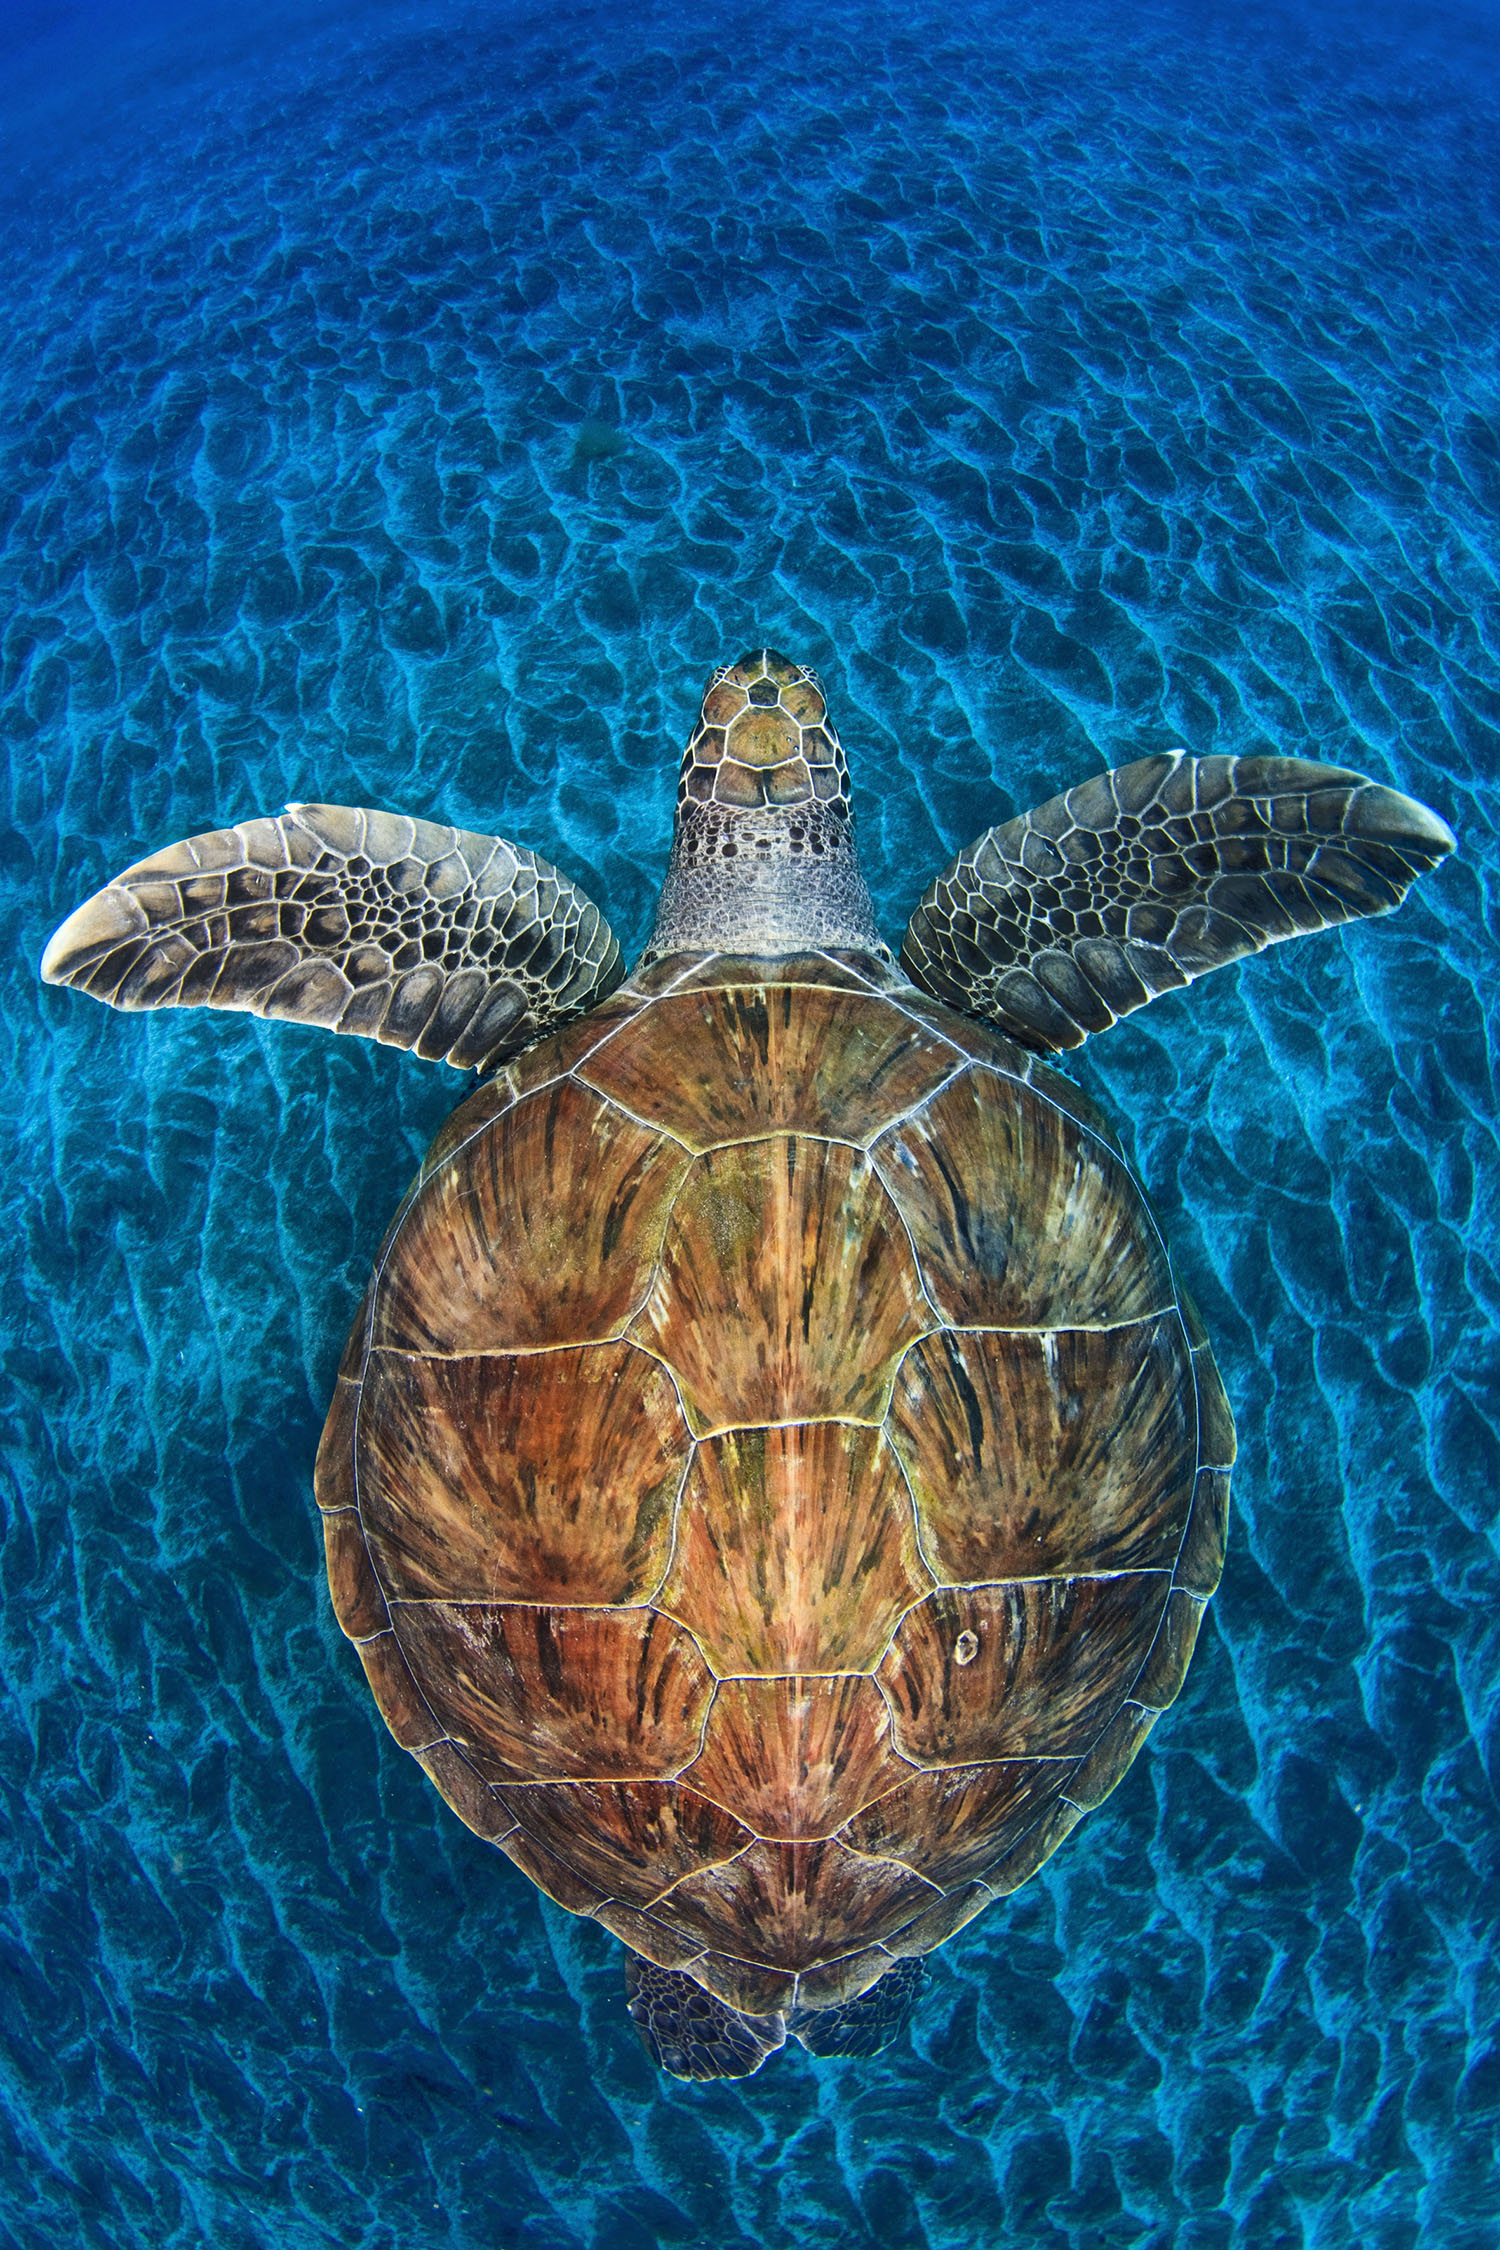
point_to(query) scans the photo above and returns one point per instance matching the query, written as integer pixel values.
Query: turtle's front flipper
(689, 2033)
(459, 946)
(1137, 881)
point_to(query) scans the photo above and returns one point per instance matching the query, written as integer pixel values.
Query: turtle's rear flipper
(689, 2033)
(459, 946)
(864, 2025)
(1137, 881)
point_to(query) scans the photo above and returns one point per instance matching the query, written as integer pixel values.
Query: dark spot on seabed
(597, 441)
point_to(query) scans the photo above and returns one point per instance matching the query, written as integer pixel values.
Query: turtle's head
(763, 857)
(764, 738)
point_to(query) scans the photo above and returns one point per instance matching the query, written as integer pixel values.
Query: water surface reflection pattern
(409, 410)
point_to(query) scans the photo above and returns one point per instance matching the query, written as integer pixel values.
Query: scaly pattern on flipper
(1059, 922)
(689, 2033)
(461, 947)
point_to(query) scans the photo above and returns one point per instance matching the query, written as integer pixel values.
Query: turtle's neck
(770, 879)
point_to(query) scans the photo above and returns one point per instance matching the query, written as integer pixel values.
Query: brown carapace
(775, 1477)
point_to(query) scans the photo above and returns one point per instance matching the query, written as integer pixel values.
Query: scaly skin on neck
(763, 857)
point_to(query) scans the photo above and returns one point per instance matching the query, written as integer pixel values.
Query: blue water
(406, 406)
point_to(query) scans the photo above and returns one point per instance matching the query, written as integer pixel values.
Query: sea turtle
(775, 1476)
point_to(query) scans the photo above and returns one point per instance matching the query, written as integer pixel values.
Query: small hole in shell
(966, 1647)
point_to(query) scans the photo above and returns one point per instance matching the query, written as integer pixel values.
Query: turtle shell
(774, 1479)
